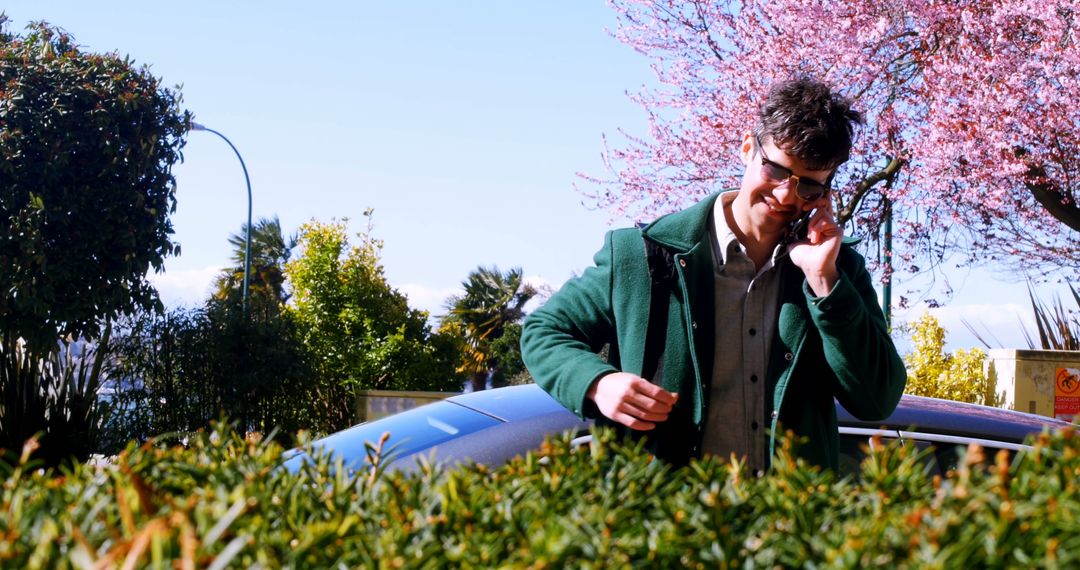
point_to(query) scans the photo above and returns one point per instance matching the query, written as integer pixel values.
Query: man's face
(774, 204)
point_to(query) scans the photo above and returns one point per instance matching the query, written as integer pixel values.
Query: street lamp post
(247, 238)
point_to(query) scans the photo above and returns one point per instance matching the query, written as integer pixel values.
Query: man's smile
(776, 209)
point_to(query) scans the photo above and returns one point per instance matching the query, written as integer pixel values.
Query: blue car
(493, 426)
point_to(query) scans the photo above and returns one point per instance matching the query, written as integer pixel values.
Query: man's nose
(785, 192)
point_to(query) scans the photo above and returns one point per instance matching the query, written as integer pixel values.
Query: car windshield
(410, 431)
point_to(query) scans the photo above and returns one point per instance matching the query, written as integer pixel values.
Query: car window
(410, 431)
(947, 456)
(853, 444)
(851, 454)
(945, 450)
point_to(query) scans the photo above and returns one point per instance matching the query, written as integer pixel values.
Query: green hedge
(223, 502)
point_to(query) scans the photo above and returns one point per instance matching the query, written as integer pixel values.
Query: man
(755, 331)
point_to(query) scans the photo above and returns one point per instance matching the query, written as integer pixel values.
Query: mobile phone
(798, 229)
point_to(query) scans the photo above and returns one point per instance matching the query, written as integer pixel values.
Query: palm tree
(491, 301)
(269, 253)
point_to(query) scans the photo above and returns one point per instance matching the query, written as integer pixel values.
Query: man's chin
(774, 219)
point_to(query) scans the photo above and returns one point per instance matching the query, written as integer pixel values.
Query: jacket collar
(681, 231)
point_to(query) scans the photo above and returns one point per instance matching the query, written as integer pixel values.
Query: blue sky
(461, 123)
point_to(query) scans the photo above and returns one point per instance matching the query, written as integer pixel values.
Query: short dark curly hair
(807, 120)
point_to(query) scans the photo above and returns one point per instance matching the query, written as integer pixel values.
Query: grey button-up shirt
(745, 320)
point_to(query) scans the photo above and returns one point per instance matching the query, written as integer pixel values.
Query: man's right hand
(632, 400)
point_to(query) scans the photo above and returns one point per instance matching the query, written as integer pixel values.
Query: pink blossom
(979, 98)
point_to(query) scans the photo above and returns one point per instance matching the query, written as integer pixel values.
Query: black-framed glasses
(806, 188)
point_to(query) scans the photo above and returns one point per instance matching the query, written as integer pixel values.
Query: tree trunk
(479, 381)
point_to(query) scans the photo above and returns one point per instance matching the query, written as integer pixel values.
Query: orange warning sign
(1066, 393)
(1068, 381)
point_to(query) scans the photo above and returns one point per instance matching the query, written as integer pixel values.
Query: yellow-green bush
(932, 372)
(229, 504)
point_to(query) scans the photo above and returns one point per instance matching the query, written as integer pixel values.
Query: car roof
(512, 403)
(916, 413)
(489, 426)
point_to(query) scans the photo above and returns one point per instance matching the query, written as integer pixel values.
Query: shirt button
(753, 332)
(788, 356)
(774, 414)
(753, 377)
(693, 325)
(682, 263)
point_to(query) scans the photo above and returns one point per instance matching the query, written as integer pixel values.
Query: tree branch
(864, 187)
(708, 33)
(1060, 206)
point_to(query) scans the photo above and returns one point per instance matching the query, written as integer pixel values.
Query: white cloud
(433, 300)
(184, 287)
(540, 283)
(990, 315)
(544, 290)
(997, 323)
(427, 298)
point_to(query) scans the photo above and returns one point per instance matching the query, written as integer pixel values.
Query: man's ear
(746, 149)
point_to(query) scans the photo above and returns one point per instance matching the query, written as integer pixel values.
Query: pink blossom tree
(972, 107)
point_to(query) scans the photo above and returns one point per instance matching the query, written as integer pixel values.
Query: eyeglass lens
(808, 190)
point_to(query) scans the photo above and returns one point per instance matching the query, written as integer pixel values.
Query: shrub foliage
(934, 373)
(225, 501)
(359, 330)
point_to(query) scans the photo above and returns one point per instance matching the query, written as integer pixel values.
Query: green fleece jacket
(829, 347)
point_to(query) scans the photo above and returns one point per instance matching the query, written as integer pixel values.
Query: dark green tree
(179, 371)
(262, 376)
(492, 301)
(87, 145)
(506, 354)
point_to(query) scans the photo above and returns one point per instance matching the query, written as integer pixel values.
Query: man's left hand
(816, 255)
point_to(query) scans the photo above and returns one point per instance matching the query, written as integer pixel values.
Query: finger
(827, 224)
(822, 203)
(643, 386)
(825, 210)
(815, 232)
(822, 222)
(648, 403)
(823, 218)
(632, 422)
(641, 413)
(822, 231)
